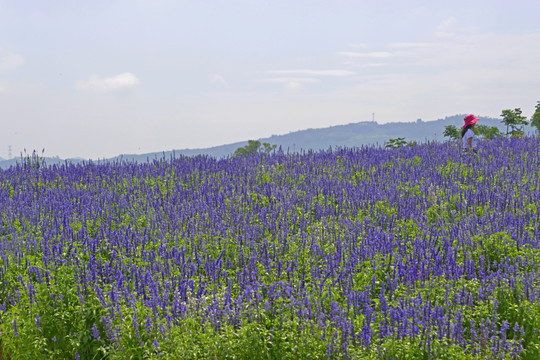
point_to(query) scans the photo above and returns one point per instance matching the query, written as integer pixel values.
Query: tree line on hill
(512, 119)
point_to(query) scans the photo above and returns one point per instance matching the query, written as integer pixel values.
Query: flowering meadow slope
(419, 252)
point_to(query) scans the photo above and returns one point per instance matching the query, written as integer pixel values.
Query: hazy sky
(99, 78)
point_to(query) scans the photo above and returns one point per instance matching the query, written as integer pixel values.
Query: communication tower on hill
(9, 152)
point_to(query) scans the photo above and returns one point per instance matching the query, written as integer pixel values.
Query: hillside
(349, 135)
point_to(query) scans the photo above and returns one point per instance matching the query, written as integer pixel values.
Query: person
(470, 140)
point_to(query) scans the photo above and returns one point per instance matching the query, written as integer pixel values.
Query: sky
(96, 79)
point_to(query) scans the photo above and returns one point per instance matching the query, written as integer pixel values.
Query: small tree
(451, 132)
(397, 142)
(254, 146)
(535, 120)
(267, 148)
(514, 121)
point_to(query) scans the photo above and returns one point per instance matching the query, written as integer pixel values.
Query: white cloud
(291, 82)
(307, 72)
(217, 79)
(451, 70)
(372, 55)
(299, 77)
(446, 28)
(360, 46)
(408, 45)
(10, 61)
(476, 52)
(116, 83)
(374, 65)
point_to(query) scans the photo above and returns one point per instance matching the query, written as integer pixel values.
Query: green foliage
(514, 122)
(396, 142)
(253, 147)
(452, 132)
(518, 311)
(419, 349)
(263, 338)
(488, 132)
(535, 119)
(53, 324)
(493, 248)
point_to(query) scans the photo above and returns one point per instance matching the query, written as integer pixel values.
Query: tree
(397, 142)
(451, 132)
(489, 132)
(251, 148)
(514, 121)
(254, 146)
(267, 148)
(535, 120)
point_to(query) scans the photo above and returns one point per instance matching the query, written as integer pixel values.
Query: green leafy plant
(488, 132)
(53, 323)
(254, 146)
(396, 142)
(451, 132)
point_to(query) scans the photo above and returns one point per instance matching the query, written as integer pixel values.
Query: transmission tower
(9, 152)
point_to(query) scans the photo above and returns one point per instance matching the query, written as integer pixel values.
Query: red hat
(470, 120)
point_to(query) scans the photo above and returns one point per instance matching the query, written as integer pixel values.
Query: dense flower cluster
(369, 251)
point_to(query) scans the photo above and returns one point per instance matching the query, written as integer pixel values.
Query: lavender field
(420, 252)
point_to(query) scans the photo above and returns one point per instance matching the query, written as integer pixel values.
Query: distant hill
(349, 135)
